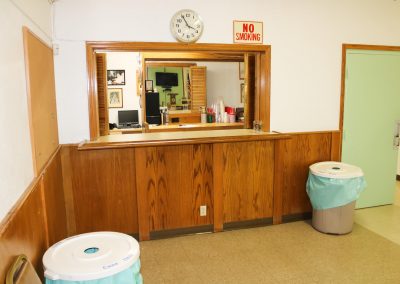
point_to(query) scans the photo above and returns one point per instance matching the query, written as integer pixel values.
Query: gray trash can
(333, 189)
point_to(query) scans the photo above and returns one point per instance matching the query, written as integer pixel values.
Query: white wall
(223, 81)
(306, 38)
(125, 61)
(16, 169)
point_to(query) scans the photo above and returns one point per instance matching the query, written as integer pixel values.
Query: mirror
(182, 83)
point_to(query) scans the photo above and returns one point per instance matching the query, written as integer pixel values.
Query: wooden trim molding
(371, 47)
(336, 146)
(166, 64)
(342, 87)
(278, 182)
(228, 50)
(218, 188)
(174, 47)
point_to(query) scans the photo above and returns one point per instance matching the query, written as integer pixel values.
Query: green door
(371, 109)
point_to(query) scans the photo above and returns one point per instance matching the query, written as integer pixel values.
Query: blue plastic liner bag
(328, 193)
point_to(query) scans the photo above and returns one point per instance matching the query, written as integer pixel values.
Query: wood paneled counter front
(153, 184)
(234, 173)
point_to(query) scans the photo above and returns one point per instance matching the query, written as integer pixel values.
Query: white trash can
(333, 189)
(95, 258)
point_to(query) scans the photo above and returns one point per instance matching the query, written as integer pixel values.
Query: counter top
(178, 138)
(180, 127)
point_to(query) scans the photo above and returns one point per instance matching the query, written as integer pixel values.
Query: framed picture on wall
(115, 97)
(115, 77)
(149, 85)
(241, 70)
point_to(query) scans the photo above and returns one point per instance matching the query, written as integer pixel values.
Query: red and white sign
(247, 32)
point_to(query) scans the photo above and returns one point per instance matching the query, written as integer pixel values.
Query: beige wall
(306, 38)
(16, 170)
(125, 61)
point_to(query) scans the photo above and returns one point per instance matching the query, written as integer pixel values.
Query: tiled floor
(287, 253)
(383, 220)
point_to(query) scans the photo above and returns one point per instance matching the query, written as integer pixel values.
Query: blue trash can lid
(335, 170)
(90, 256)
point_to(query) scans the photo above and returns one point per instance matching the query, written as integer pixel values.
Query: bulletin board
(39, 69)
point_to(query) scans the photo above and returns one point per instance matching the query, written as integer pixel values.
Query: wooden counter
(236, 174)
(153, 184)
(179, 137)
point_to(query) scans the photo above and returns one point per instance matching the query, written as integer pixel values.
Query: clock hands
(190, 27)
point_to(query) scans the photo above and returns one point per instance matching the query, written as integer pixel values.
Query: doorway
(371, 99)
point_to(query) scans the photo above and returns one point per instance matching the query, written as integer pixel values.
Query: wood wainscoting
(153, 189)
(159, 188)
(37, 220)
(303, 150)
(100, 190)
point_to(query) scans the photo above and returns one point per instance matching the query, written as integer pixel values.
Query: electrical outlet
(203, 210)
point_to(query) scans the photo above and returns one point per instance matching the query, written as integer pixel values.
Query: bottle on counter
(203, 114)
(166, 117)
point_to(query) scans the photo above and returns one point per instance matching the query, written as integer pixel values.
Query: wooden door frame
(216, 49)
(346, 47)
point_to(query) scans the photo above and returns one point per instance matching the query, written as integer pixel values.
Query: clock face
(186, 26)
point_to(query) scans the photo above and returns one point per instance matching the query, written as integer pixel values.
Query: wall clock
(186, 26)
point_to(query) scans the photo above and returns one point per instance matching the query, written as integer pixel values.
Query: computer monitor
(128, 117)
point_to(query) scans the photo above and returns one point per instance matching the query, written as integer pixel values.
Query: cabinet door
(173, 182)
(198, 87)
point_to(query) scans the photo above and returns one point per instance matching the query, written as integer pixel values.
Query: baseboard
(179, 232)
(248, 224)
(296, 217)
